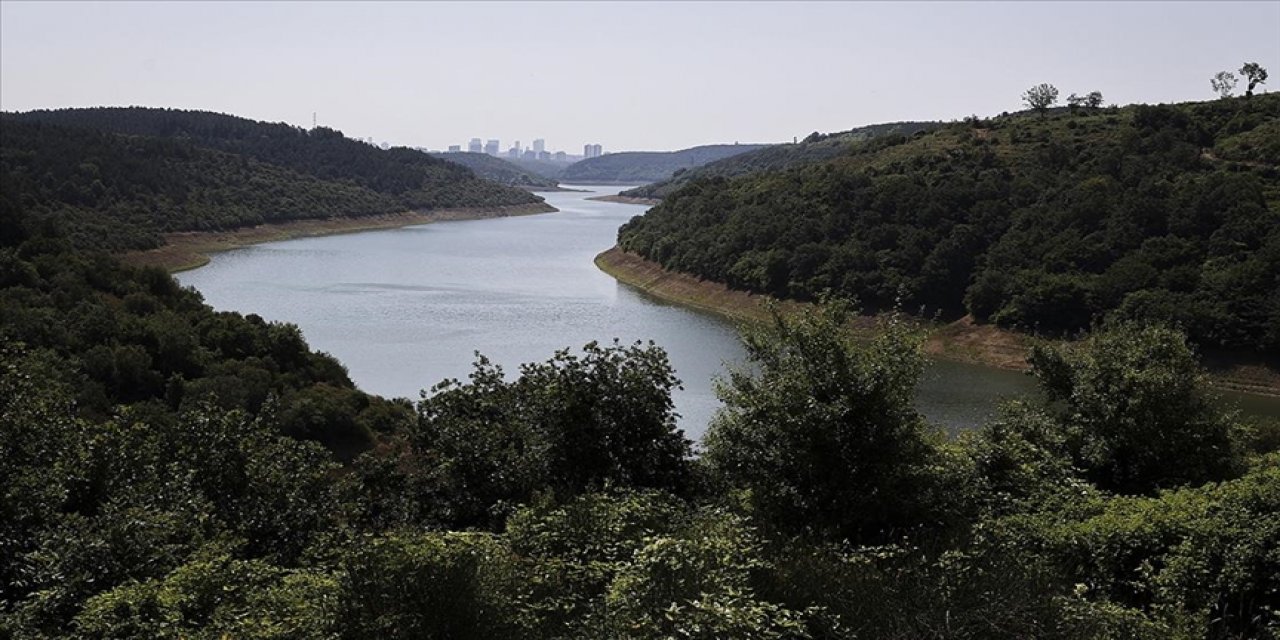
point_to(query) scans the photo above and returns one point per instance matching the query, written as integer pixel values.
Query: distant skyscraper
(455, 148)
(491, 147)
(592, 151)
(539, 145)
(476, 146)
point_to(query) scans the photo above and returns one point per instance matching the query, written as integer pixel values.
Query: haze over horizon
(630, 76)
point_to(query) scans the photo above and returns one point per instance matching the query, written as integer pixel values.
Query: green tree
(822, 432)
(569, 425)
(1223, 83)
(1040, 97)
(1255, 74)
(1136, 410)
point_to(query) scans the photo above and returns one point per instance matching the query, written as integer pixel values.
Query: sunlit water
(406, 308)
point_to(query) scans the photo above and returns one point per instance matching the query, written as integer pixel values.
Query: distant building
(539, 145)
(561, 156)
(592, 151)
(476, 146)
(491, 147)
(455, 148)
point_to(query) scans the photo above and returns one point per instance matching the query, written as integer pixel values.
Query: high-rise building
(539, 145)
(476, 146)
(560, 156)
(592, 151)
(491, 147)
(455, 148)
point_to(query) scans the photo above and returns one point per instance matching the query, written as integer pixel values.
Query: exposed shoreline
(649, 202)
(191, 249)
(960, 341)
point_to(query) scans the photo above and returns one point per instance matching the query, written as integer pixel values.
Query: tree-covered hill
(633, 167)
(125, 174)
(168, 471)
(499, 170)
(1049, 223)
(815, 148)
(549, 169)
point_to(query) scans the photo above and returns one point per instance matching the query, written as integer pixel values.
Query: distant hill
(120, 177)
(815, 148)
(545, 168)
(634, 167)
(499, 170)
(1047, 224)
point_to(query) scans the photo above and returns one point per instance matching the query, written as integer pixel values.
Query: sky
(629, 76)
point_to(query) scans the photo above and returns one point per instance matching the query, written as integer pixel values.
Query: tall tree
(1255, 74)
(822, 433)
(1223, 83)
(1041, 97)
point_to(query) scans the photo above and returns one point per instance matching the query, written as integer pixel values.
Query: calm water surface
(406, 308)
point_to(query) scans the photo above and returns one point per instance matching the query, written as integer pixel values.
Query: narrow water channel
(406, 308)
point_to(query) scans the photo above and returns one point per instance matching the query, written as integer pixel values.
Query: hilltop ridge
(1045, 224)
(633, 167)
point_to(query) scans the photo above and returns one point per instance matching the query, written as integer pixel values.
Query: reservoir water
(406, 308)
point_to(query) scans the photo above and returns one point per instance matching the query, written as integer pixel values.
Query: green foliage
(1040, 97)
(1050, 224)
(162, 472)
(822, 433)
(216, 597)
(115, 178)
(562, 427)
(1197, 562)
(698, 585)
(1135, 411)
(447, 585)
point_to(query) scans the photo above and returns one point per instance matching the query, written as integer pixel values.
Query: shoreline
(185, 250)
(962, 340)
(621, 199)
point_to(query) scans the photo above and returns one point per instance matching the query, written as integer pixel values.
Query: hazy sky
(629, 76)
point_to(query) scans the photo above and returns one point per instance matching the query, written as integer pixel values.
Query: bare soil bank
(963, 340)
(649, 202)
(191, 249)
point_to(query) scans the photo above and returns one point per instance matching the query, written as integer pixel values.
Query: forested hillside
(499, 170)
(119, 177)
(814, 148)
(633, 167)
(1044, 223)
(168, 471)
